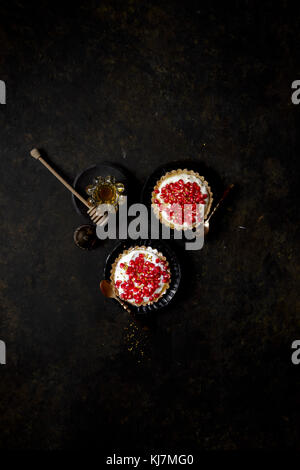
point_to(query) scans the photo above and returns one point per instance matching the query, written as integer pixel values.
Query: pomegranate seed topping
(181, 193)
(143, 278)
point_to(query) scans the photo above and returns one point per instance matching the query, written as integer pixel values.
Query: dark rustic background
(141, 84)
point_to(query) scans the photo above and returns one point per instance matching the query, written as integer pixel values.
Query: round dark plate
(173, 263)
(86, 177)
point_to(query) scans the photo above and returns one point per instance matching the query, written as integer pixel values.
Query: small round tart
(177, 199)
(140, 275)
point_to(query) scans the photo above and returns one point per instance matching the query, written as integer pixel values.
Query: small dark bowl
(85, 237)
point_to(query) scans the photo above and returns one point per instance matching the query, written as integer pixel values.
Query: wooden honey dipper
(98, 219)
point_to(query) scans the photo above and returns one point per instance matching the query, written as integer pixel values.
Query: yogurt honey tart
(140, 275)
(180, 188)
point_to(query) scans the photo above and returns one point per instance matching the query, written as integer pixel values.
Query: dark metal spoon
(206, 223)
